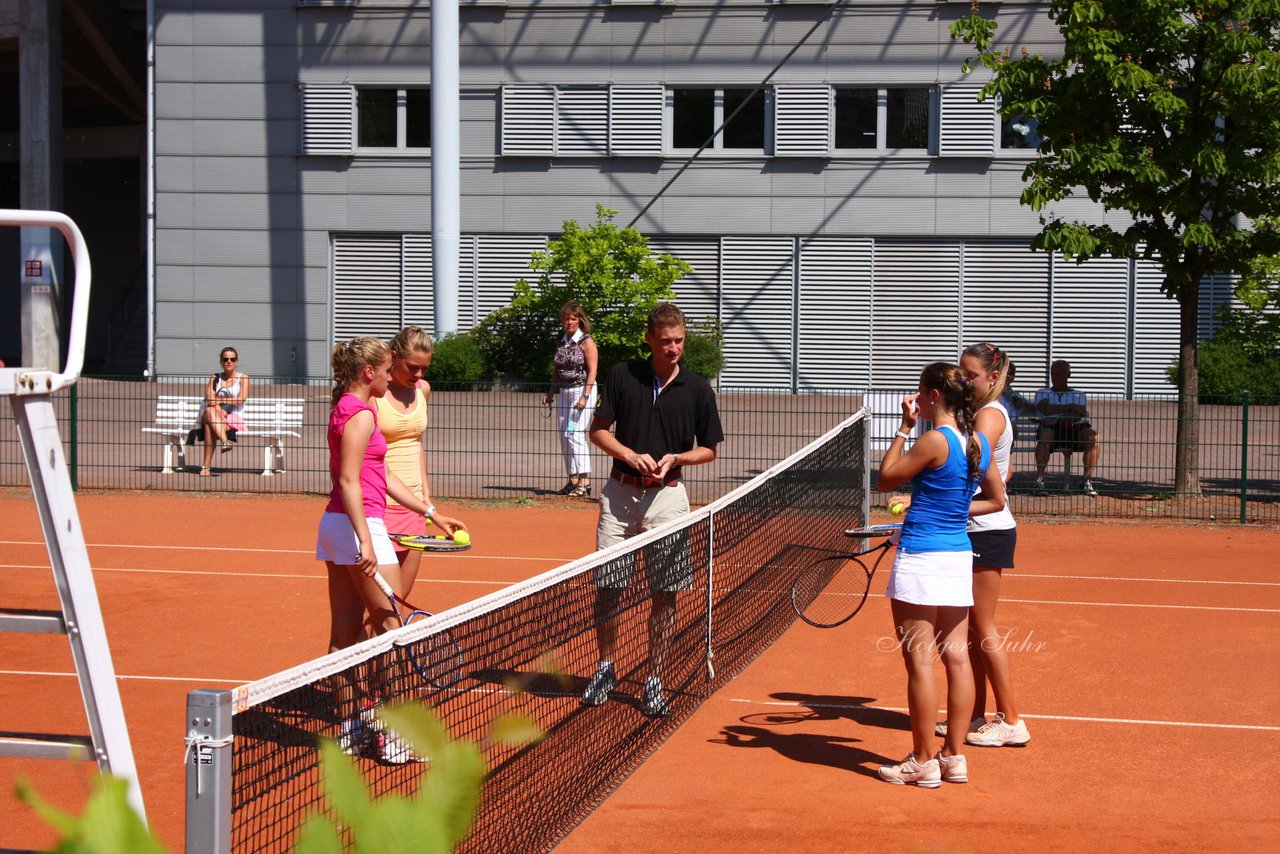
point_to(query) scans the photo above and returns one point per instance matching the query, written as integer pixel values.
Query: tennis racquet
(430, 543)
(437, 658)
(833, 589)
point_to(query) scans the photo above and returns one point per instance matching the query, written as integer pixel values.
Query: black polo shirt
(683, 416)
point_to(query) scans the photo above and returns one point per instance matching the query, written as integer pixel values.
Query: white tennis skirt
(932, 578)
(337, 541)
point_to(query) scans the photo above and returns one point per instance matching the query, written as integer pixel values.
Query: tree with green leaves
(608, 269)
(1169, 111)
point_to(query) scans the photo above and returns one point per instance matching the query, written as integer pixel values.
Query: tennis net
(252, 775)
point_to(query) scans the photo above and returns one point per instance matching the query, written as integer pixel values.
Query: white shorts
(932, 578)
(337, 541)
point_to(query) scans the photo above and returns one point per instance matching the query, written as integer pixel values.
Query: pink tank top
(373, 470)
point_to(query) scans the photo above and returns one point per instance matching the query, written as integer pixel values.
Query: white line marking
(1145, 605)
(122, 677)
(1032, 717)
(1153, 580)
(312, 552)
(288, 577)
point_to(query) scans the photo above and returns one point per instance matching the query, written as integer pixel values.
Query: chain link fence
(489, 441)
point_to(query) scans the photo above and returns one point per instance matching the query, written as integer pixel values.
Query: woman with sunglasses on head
(402, 420)
(993, 537)
(931, 586)
(224, 397)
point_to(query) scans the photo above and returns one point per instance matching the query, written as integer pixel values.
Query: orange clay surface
(1144, 658)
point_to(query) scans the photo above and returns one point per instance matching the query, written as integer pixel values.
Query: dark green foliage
(606, 268)
(457, 359)
(704, 349)
(1227, 369)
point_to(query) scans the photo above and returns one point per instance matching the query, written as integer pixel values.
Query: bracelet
(901, 435)
(675, 460)
(431, 511)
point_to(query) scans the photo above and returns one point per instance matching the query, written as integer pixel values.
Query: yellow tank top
(403, 432)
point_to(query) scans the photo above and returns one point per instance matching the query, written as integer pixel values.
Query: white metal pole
(445, 164)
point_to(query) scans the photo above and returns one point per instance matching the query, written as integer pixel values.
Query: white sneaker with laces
(955, 769)
(997, 733)
(940, 728)
(926, 775)
(1089, 490)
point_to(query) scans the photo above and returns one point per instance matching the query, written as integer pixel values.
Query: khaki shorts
(626, 511)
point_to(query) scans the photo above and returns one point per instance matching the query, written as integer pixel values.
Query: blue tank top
(940, 499)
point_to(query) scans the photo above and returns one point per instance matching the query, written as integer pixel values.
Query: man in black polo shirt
(665, 419)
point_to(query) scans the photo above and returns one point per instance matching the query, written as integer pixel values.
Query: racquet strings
(831, 591)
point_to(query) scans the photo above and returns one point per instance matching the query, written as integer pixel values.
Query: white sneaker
(940, 728)
(1000, 734)
(955, 769)
(927, 775)
(395, 750)
(1089, 490)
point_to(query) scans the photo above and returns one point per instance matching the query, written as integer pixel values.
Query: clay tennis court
(1144, 659)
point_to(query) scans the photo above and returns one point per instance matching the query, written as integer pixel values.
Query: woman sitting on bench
(224, 397)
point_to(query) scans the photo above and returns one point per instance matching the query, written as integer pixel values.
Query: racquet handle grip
(383, 585)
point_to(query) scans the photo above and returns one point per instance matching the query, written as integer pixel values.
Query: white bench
(274, 418)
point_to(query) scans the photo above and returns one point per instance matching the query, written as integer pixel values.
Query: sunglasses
(230, 359)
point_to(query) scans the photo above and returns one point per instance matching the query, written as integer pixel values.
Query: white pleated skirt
(932, 578)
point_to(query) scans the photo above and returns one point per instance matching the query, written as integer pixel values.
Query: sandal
(204, 471)
(582, 490)
(567, 488)
(226, 446)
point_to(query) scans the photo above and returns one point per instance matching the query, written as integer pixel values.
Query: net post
(208, 761)
(866, 467)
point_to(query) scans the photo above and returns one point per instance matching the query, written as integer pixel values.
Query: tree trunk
(1186, 475)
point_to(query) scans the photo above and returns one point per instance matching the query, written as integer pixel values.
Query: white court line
(289, 577)
(556, 560)
(1080, 718)
(1144, 605)
(1035, 575)
(123, 677)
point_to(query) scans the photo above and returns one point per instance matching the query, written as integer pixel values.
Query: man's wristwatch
(431, 511)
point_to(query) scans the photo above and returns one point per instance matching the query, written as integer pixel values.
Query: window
(393, 118)
(1019, 133)
(696, 113)
(907, 118)
(856, 118)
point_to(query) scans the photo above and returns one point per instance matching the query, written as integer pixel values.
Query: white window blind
(833, 325)
(1091, 322)
(528, 120)
(915, 309)
(419, 287)
(802, 121)
(1155, 331)
(758, 291)
(582, 121)
(501, 260)
(1006, 303)
(635, 121)
(697, 294)
(328, 119)
(967, 127)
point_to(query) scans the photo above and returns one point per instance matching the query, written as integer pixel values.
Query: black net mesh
(700, 602)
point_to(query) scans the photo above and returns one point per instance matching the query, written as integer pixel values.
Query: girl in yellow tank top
(402, 420)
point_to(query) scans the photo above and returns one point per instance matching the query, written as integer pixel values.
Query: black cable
(745, 101)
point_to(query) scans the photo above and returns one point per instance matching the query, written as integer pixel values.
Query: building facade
(858, 217)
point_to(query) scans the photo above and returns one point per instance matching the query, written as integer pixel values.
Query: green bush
(704, 349)
(608, 269)
(1228, 368)
(457, 359)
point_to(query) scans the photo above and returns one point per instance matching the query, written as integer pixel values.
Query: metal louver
(834, 322)
(915, 309)
(582, 121)
(366, 285)
(1091, 322)
(328, 119)
(967, 127)
(635, 121)
(1006, 303)
(802, 121)
(528, 120)
(757, 299)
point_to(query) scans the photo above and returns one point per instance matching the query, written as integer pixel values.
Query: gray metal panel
(272, 175)
(242, 211)
(244, 138)
(962, 216)
(1006, 303)
(392, 213)
(366, 285)
(419, 296)
(916, 309)
(175, 173)
(697, 294)
(174, 64)
(834, 313)
(253, 64)
(175, 282)
(1155, 331)
(756, 303)
(246, 248)
(1091, 322)
(252, 285)
(175, 246)
(176, 319)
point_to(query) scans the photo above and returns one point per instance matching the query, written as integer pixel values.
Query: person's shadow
(766, 729)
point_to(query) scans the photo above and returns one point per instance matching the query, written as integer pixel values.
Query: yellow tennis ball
(896, 508)
(461, 537)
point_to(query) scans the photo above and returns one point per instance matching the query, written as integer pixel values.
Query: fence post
(73, 468)
(1244, 458)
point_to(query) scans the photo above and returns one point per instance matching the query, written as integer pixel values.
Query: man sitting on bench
(1064, 425)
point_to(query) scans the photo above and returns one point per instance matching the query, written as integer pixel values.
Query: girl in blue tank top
(931, 586)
